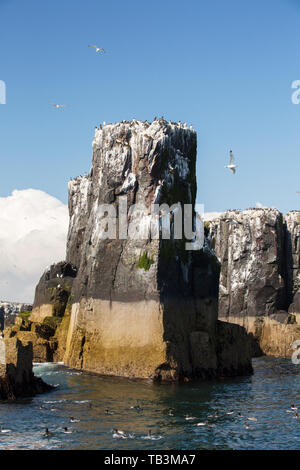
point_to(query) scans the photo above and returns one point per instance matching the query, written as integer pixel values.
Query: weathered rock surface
(16, 375)
(259, 285)
(48, 324)
(53, 291)
(143, 307)
(293, 260)
(10, 310)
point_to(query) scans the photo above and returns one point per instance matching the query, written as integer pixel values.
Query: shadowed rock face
(143, 308)
(48, 324)
(293, 258)
(2, 316)
(53, 291)
(250, 247)
(259, 256)
(16, 376)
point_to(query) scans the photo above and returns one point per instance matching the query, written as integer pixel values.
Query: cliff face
(293, 258)
(259, 255)
(143, 307)
(250, 247)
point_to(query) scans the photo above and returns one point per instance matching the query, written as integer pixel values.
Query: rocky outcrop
(16, 375)
(47, 326)
(10, 310)
(53, 291)
(143, 307)
(259, 286)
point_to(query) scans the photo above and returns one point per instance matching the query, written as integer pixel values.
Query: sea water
(137, 406)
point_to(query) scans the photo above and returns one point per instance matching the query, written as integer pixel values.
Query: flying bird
(232, 166)
(58, 105)
(98, 49)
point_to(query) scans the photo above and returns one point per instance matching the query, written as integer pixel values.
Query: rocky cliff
(141, 306)
(293, 261)
(259, 287)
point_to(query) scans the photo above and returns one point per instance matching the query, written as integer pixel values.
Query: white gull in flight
(232, 166)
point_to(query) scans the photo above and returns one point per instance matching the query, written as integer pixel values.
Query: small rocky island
(144, 308)
(16, 376)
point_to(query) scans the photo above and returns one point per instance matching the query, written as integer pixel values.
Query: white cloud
(260, 206)
(211, 216)
(33, 232)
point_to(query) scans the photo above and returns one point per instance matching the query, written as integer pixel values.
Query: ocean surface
(136, 407)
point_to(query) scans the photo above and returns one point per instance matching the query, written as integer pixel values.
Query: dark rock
(16, 377)
(259, 254)
(53, 291)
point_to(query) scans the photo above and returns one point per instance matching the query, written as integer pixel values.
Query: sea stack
(142, 307)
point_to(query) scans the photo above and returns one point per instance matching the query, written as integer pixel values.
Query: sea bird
(47, 433)
(252, 419)
(98, 49)
(136, 407)
(74, 420)
(232, 166)
(206, 423)
(189, 418)
(231, 222)
(4, 430)
(119, 434)
(57, 106)
(67, 431)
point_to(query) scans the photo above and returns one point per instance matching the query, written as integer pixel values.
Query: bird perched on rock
(171, 169)
(98, 49)
(232, 166)
(231, 222)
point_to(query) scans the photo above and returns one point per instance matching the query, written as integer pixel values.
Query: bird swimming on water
(189, 418)
(232, 166)
(47, 433)
(206, 423)
(119, 434)
(67, 431)
(2, 430)
(74, 420)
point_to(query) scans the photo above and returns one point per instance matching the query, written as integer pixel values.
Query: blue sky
(226, 67)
